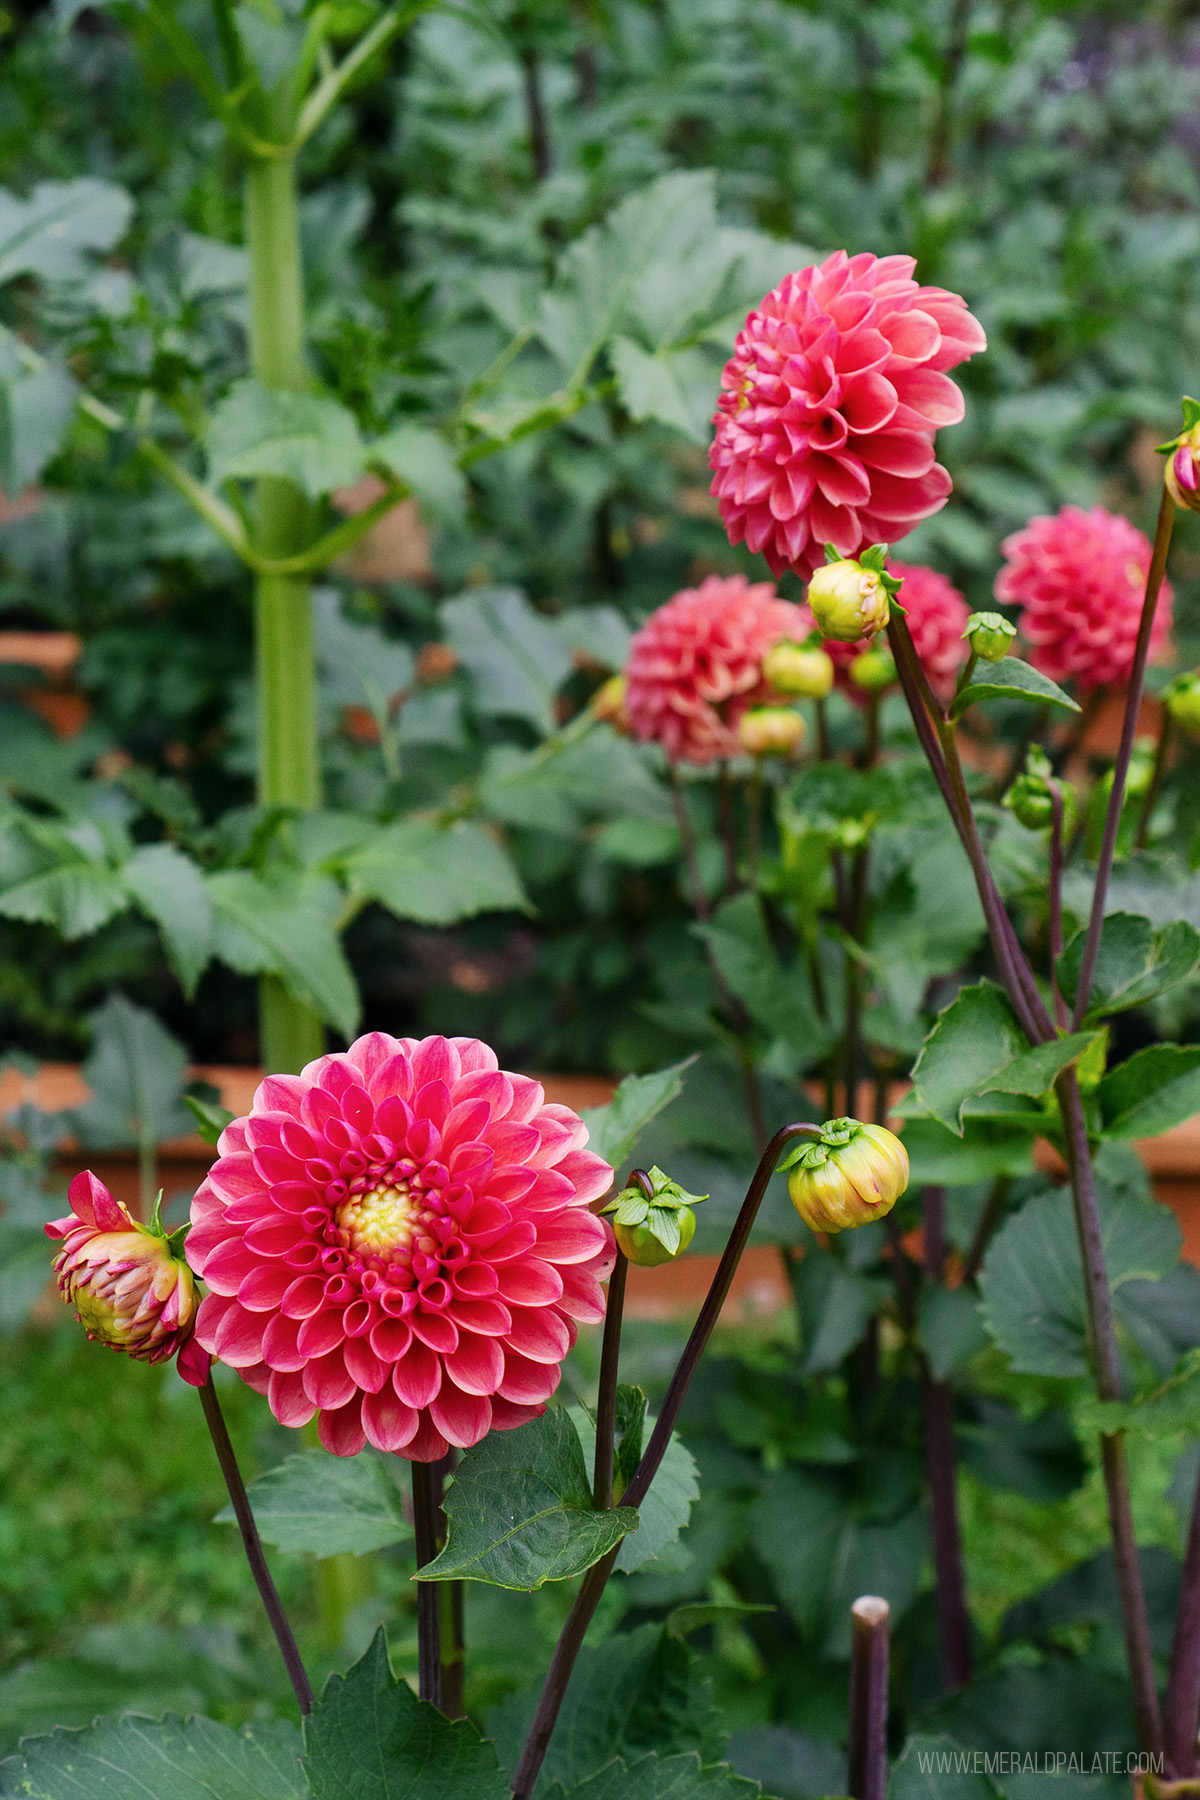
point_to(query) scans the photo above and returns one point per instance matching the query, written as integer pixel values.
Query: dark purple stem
(869, 1657)
(1116, 799)
(1182, 1712)
(1056, 918)
(954, 1623)
(252, 1544)
(425, 1500)
(610, 1355)
(566, 1650)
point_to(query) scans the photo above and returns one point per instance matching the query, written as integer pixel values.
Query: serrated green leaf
(1012, 679)
(77, 899)
(516, 658)
(613, 1130)
(169, 887)
(283, 924)
(951, 1328)
(665, 1511)
(48, 234)
(520, 1510)
(1155, 1089)
(357, 662)
(1036, 1070)
(435, 873)
(327, 1505)
(309, 439)
(136, 1071)
(974, 1038)
(37, 406)
(1136, 963)
(661, 1778)
(135, 1758)
(424, 460)
(370, 1738)
(671, 388)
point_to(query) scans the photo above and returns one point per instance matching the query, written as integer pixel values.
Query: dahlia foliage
(937, 616)
(1078, 578)
(399, 1241)
(696, 665)
(830, 403)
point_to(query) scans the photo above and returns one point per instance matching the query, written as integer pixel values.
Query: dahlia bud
(1182, 701)
(653, 1227)
(849, 600)
(851, 1174)
(129, 1283)
(990, 635)
(1182, 474)
(1030, 799)
(798, 669)
(608, 703)
(874, 670)
(770, 731)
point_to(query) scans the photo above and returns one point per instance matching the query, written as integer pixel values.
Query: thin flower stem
(252, 1544)
(754, 824)
(1182, 1708)
(824, 742)
(1161, 758)
(452, 1621)
(856, 925)
(610, 1356)
(1116, 799)
(869, 1659)
(701, 905)
(588, 1598)
(728, 828)
(1056, 917)
(429, 1625)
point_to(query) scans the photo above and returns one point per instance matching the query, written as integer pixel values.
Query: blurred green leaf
(327, 1505)
(306, 438)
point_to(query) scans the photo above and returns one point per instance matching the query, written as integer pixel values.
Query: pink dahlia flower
(696, 664)
(399, 1240)
(831, 399)
(937, 618)
(130, 1291)
(1079, 578)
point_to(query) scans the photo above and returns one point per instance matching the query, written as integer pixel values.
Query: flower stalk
(869, 1665)
(610, 1356)
(426, 1502)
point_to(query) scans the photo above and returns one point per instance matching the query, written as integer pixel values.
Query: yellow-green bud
(770, 731)
(848, 601)
(1182, 701)
(1030, 801)
(608, 703)
(874, 670)
(795, 669)
(852, 1174)
(653, 1219)
(990, 635)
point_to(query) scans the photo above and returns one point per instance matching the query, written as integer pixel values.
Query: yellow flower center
(380, 1220)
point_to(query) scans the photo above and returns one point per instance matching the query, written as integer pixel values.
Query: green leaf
(671, 388)
(309, 439)
(424, 460)
(836, 1304)
(566, 783)
(1012, 679)
(37, 406)
(169, 887)
(660, 1778)
(48, 234)
(135, 1758)
(327, 1505)
(520, 1510)
(517, 660)
(665, 1511)
(1032, 1280)
(777, 995)
(77, 898)
(1136, 963)
(613, 1130)
(358, 664)
(211, 1120)
(973, 1039)
(435, 873)
(988, 1147)
(136, 1071)
(1036, 1071)
(936, 1768)
(283, 924)
(951, 1328)
(1157, 1088)
(370, 1738)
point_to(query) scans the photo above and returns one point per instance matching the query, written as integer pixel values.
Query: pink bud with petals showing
(129, 1284)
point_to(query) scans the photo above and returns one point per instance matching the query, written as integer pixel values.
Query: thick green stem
(288, 767)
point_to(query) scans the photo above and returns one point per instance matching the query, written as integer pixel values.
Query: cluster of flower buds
(851, 1174)
(1181, 698)
(850, 598)
(804, 671)
(990, 635)
(770, 731)
(129, 1284)
(1183, 460)
(654, 1226)
(1030, 799)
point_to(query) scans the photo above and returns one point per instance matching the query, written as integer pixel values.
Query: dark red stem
(869, 1657)
(1056, 918)
(606, 1399)
(426, 1501)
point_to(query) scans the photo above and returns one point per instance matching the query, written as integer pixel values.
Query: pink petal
(341, 1430)
(477, 1366)
(506, 1416)
(527, 1383)
(193, 1363)
(462, 1419)
(573, 1237)
(92, 1202)
(364, 1366)
(529, 1282)
(327, 1381)
(321, 1333)
(288, 1400)
(388, 1423)
(427, 1443)
(280, 1347)
(417, 1376)
(238, 1339)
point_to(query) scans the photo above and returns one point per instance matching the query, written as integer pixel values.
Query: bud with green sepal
(770, 731)
(653, 1218)
(1030, 799)
(990, 635)
(853, 1173)
(1182, 474)
(874, 670)
(1181, 698)
(852, 598)
(802, 670)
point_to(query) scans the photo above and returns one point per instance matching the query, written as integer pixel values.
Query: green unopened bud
(874, 670)
(654, 1227)
(851, 1174)
(1182, 701)
(770, 731)
(990, 635)
(1030, 801)
(850, 600)
(797, 669)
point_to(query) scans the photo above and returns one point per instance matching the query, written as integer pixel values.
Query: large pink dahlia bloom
(831, 399)
(1079, 578)
(937, 617)
(696, 664)
(399, 1240)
